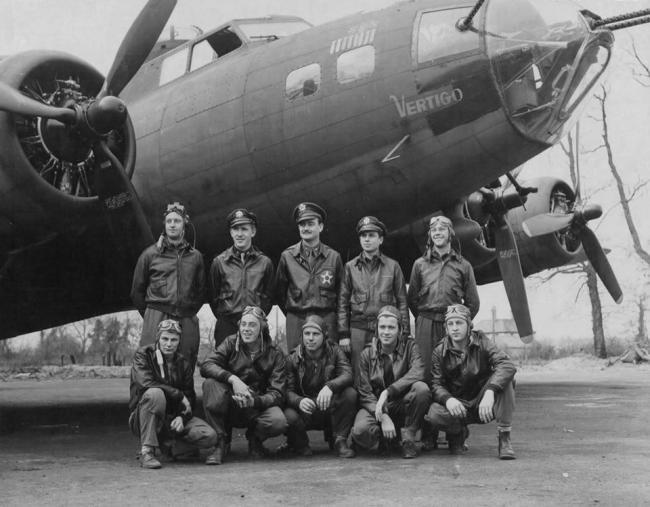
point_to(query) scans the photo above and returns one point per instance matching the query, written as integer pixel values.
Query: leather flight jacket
(332, 367)
(169, 279)
(439, 282)
(235, 285)
(462, 374)
(366, 287)
(265, 375)
(301, 288)
(176, 379)
(408, 368)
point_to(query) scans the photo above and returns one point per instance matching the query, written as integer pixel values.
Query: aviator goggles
(255, 311)
(169, 325)
(460, 311)
(176, 207)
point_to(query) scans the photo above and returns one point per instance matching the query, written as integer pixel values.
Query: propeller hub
(591, 212)
(106, 114)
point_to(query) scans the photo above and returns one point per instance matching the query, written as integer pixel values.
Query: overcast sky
(93, 31)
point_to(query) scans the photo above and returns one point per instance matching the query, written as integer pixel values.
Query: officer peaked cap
(241, 216)
(371, 224)
(307, 210)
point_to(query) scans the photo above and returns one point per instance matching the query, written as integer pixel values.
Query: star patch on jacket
(326, 278)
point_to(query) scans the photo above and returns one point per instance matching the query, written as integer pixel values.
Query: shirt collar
(474, 341)
(236, 254)
(362, 258)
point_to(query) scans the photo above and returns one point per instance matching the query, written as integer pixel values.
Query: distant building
(504, 334)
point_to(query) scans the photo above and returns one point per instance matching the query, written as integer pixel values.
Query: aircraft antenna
(467, 22)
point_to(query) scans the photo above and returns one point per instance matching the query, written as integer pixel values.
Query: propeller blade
(465, 228)
(546, 223)
(600, 263)
(513, 279)
(122, 207)
(137, 44)
(13, 101)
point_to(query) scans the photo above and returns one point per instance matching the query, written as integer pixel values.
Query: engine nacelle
(47, 168)
(544, 252)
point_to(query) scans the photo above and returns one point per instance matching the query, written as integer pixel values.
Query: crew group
(353, 369)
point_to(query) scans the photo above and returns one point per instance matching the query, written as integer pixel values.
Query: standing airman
(240, 276)
(169, 282)
(439, 278)
(370, 280)
(308, 276)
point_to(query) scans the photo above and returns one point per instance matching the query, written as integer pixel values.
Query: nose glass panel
(545, 59)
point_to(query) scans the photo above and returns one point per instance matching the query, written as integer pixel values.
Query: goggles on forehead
(457, 311)
(169, 325)
(440, 220)
(255, 311)
(176, 207)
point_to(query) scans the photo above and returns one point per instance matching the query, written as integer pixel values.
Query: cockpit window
(437, 34)
(303, 82)
(173, 66)
(355, 64)
(202, 54)
(545, 59)
(272, 30)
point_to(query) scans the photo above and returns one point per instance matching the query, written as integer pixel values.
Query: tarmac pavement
(579, 439)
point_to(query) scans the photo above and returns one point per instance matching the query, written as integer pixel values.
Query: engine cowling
(47, 168)
(544, 252)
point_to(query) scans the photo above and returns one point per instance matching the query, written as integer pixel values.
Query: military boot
(505, 446)
(455, 442)
(342, 448)
(148, 458)
(409, 449)
(256, 449)
(216, 457)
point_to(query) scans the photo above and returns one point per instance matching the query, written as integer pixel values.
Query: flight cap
(176, 207)
(315, 322)
(458, 311)
(170, 326)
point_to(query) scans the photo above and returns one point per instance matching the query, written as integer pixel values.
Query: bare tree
(624, 196)
(82, 330)
(590, 277)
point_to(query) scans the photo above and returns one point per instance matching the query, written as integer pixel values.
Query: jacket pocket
(295, 295)
(387, 298)
(226, 294)
(158, 288)
(358, 301)
(328, 296)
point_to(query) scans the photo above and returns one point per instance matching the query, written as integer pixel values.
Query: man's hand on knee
(388, 427)
(456, 408)
(485, 408)
(177, 424)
